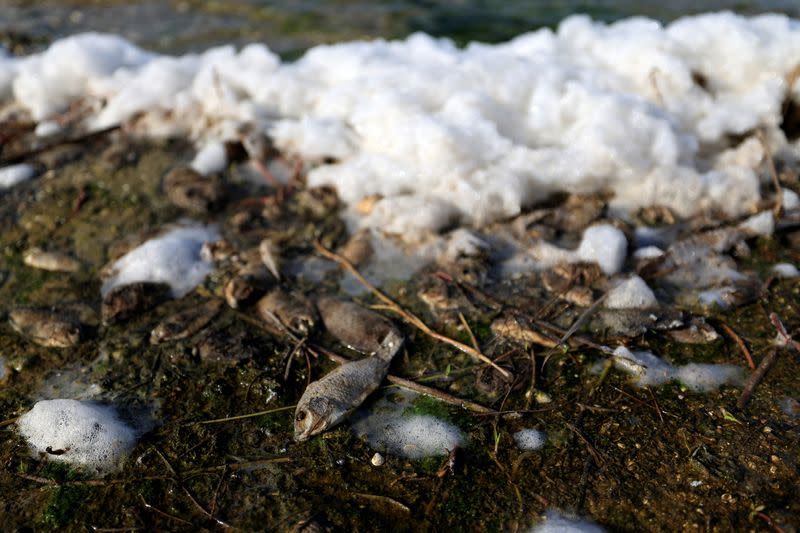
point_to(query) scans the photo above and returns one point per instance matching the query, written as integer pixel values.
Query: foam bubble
(172, 258)
(79, 433)
(632, 293)
(529, 439)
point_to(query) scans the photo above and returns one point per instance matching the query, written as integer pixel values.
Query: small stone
(377, 460)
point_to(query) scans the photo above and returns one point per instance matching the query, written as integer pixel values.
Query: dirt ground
(631, 459)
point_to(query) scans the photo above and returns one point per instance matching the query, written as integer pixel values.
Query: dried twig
(241, 417)
(189, 494)
(741, 345)
(756, 377)
(408, 316)
(472, 338)
(787, 339)
(777, 210)
(20, 157)
(162, 513)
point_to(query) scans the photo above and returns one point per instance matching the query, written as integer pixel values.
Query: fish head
(315, 415)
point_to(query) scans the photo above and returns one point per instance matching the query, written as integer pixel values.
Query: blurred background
(291, 26)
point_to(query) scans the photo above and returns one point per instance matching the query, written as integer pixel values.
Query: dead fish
(186, 323)
(329, 400)
(191, 190)
(292, 310)
(358, 249)
(50, 260)
(354, 326)
(46, 327)
(125, 301)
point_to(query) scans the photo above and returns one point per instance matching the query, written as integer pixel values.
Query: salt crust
(472, 134)
(172, 258)
(529, 439)
(84, 433)
(632, 293)
(555, 522)
(648, 369)
(11, 175)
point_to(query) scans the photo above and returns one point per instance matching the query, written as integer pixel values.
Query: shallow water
(290, 27)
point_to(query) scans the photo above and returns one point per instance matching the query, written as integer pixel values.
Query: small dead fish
(186, 323)
(125, 301)
(191, 190)
(292, 310)
(358, 249)
(354, 326)
(46, 327)
(49, 260)
(329, 400)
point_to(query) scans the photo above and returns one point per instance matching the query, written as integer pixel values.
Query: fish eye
(300, 416)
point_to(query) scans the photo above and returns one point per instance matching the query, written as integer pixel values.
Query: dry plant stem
(409, 317)
(189, 494)
(413, 386)
(241, 417)
(18, 158)
(755, 378)
(472, 338)
(164, 514)
(741, 345)
(787, 339)
(778, 208)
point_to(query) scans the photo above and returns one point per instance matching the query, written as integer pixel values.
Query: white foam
(605, 245)
(790, 199)
(529, 439)
(473, 134)
(761, 224)
(210, 159)
(648, 252)
(388, 428)
(632, 293)
(555, 522)
(11, 175)
(602, 244)
(83, 433)
(172, 258)
(785, 270)
(649, 369)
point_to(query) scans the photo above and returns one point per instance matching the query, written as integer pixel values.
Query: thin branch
(741, 345)
(472, 338)
(408, 316)
(756, 377)
(241, 417)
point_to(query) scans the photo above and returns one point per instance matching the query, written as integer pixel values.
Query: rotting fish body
(185, 323)
(45, 327)
(52, 261)
(328, 401)
(356, 327)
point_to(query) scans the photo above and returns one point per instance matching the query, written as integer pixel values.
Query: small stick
(8, 422)
(787, 339)
(20, 157)
(241, 417)
(472, 338)
(741, 344)
(162, 513)
(756, 377)
(189, 494)
(778, 208)
(382, 499)
(409, 317)
(578, 323)
(416, 387)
